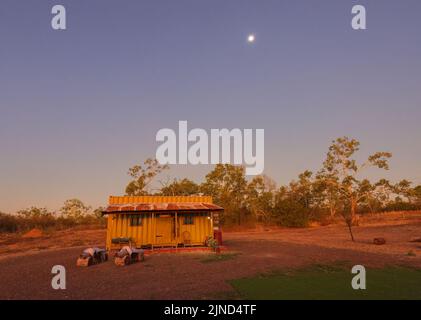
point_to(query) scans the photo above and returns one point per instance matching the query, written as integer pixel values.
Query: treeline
(336, 189)
(73, 213)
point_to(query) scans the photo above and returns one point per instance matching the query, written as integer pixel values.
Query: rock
(379, 241)
(415, 239)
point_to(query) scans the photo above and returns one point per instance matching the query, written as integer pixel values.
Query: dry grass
(75, 237)
(397, 227)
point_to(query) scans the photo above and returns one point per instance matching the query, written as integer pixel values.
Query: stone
(379, 241)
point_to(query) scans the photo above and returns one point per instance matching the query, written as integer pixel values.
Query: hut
(160, 221)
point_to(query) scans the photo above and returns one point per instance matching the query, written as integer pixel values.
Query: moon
(251, 38)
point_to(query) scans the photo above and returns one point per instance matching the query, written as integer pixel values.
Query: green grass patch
(219, 257)
(331, 283)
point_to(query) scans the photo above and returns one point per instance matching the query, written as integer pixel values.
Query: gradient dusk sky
(81, 106)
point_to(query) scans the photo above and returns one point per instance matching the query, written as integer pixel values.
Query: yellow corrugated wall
(199, 230)
(119, 227)
(144, 235)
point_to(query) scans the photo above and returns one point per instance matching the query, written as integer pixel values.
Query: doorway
(164, 227)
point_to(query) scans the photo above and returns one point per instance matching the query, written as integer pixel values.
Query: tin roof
(157, 199)
(162, 206)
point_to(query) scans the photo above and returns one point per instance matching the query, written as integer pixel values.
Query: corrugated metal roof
(162, 206)
(158, 199)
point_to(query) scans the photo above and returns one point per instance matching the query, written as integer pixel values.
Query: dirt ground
(25, 263)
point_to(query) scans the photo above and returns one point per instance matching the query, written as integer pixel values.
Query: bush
(8, 223)
(401, 206)
(25, 221)
(289, 213)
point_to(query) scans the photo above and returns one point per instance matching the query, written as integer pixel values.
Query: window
(188, 218)
(135, 220)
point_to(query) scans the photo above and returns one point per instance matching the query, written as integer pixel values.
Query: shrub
(8, 223)
(401, 206)
(35, 218)
(289, 213)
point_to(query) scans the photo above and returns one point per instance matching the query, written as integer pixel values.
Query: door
(164, 229)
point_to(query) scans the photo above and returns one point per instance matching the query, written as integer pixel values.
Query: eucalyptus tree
(341, 173)
(260, 196)
(227, 185)
(142, 176)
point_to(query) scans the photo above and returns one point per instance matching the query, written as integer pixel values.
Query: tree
(302, 190)
(417, 195)
(340, 171)
(288, 211)
(34, 212)
(34, 217)
(227, 185)
(74, 209)
(374, 196)
(143, 176)
(184, 187)
(260, 197)
(329, 195)
(98, 212)
(403, 189)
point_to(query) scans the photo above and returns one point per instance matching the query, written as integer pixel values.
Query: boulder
(379, 241)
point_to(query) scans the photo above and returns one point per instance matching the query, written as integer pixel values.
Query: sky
(81, 106)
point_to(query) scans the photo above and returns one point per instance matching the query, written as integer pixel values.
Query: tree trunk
(353, 210)
(332, 211)
(349, 224)
(370, 207)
